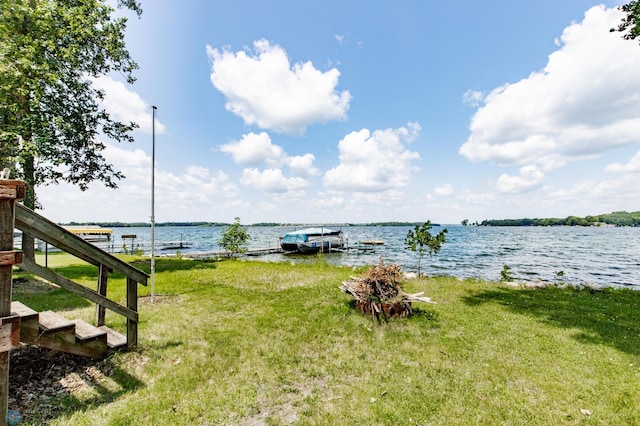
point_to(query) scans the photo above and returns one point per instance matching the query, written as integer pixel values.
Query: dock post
(10, 192)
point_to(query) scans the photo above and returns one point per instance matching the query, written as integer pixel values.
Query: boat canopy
(302, 235)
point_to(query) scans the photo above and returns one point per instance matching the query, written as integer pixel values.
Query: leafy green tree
(630, 24)
(235, 238)
(51, 115)
(421, 240)
(576, 221)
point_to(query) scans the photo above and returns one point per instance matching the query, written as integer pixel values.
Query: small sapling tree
(420, 240)
(505, 274)
(234, 239)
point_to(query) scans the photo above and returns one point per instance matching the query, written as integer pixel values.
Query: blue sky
(300, 112)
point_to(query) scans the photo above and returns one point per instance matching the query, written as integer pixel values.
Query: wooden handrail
(43, 229)
(85, 292)
(39, 227)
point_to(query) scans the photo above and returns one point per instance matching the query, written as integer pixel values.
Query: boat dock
(362, 246)
(91, 233)
(263, 251)
(223, 253)
(367, 246)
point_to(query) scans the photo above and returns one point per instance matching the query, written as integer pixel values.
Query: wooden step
(23, 310)
(29, 325)
(78, 337)
(75, 337)
(56, 332)
(51, 323)
(50, 330)
(115, 340)
(85, 332)
(90, 341)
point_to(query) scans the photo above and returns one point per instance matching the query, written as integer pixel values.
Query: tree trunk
(28, 242)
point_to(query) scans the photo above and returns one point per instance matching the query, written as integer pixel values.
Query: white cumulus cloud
(374, 162)
(125, 158)
(266, 90)
(195, 193)
(583, 103)
(126, 105)
(529, 179)
(255, 150)
(273, 181)
(302, 165)
(633, 166)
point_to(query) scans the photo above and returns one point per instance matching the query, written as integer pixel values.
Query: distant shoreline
(216, 224)
(621, 218)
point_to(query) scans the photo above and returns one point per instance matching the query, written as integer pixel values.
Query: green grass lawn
(253, 343)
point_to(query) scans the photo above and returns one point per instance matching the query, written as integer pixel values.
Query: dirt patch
(44, 383)
(287, 406)
(39, 377)
(157, 299)
(28, 286)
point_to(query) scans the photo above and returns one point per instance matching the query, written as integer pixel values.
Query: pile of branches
(379, 293)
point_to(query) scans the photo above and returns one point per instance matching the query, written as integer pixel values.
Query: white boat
(312, 240)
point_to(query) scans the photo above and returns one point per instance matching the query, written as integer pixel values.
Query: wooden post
(132, 303)
(10, 192)
(103, 276)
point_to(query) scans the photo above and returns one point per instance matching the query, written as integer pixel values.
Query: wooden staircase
(19, 323)
(50, 330)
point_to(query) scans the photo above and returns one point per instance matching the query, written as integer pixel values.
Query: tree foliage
(630, 24)
(51, 115)
(421, 240)
(506, 274)
(234, 238)
(616, 218)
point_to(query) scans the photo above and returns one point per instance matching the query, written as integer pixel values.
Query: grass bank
(250, 343)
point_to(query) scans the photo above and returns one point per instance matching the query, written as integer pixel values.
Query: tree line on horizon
(212, 224)
(620, 218)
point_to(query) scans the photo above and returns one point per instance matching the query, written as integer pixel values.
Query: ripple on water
(603, 256)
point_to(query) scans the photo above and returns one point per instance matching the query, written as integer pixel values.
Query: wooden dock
(263, 251)
(363, 246)
(224, 253)
(91, 233)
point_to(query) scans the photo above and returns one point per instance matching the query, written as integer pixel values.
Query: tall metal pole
(153, 196)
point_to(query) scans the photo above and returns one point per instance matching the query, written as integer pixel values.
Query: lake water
(605, 256)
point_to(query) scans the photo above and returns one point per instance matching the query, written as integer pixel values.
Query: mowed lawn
(253, 343)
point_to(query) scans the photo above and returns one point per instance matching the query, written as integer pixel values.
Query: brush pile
(379, 293)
